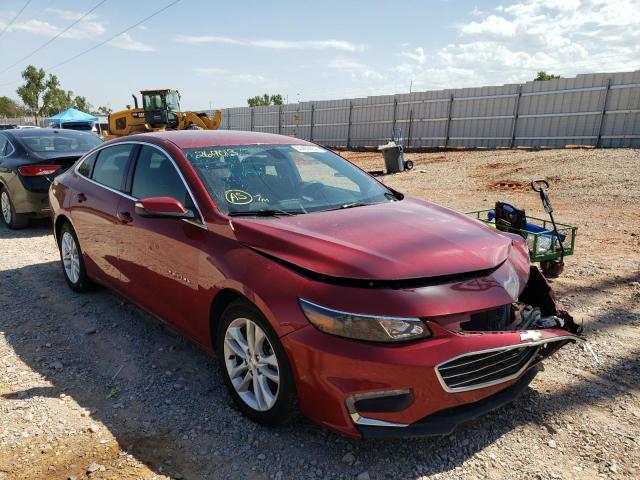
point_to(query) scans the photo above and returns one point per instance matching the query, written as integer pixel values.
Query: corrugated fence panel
(430, 114)
(331, 123)
(600, 109)
(482, 116)
(621, 125)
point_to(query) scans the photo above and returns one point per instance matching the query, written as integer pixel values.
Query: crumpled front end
(475, 361)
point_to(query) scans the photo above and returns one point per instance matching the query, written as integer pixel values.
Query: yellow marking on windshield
(238, 197)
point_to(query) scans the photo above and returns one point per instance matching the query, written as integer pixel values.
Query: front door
(160, 257)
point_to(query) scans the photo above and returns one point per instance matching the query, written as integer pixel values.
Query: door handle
(81, 197)
(124, 217)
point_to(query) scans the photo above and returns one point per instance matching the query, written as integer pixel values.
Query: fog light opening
(382, 402)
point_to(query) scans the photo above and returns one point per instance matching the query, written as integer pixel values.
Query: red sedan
(378, 314)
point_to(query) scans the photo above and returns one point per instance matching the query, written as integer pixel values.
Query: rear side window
(86, 166)
(156, 176)
(111, 166)
(5, 146)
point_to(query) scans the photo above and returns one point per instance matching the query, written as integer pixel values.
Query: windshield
(282, 179)
(172, 102)
(59, 141)
(152, 101)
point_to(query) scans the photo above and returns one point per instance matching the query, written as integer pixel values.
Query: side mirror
(162, 207)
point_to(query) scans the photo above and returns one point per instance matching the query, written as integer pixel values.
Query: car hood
(408, 239)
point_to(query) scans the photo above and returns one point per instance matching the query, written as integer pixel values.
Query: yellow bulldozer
(160, 111)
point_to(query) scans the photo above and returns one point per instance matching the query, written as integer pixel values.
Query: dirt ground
(92, 387)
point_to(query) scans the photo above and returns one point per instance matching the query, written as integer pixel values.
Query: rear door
(94, 206)
(160, 257)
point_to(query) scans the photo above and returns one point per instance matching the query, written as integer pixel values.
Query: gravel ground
(92, 387)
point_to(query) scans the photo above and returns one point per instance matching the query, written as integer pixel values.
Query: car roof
(219, 138)
(30, 132)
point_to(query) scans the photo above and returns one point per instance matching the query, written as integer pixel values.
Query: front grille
(477, 370)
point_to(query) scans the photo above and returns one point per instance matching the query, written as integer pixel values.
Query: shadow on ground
(36, 228)
(171, 410)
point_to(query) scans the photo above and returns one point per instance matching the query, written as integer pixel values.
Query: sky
(218, 54)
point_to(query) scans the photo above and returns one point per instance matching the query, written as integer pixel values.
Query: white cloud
(417, 55)
(355, 69)
(272, 44)
(491, 25)
(126, 42)
(82, 31)
(248, 78)
(69, 14)
(227, 75)
(518, 39)
(204, 39)
(345, 64)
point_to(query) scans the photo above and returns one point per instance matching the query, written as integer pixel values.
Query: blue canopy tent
(71, 116)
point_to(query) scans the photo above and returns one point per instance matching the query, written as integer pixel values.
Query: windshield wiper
(266, 212)
(393, 196)
(353, 205)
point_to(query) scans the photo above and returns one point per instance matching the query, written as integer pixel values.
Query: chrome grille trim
(511, 356)
(469, 362)
(525, 359)
(530, 353)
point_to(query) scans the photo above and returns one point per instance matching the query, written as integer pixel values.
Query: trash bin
(393, 157)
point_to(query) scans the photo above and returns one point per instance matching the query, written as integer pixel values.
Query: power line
(14, 18)
(52, 39)
(101, 43)
(90, 49)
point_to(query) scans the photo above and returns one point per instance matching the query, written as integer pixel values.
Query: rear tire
(71, 260)
(10, 218)
(254, 365)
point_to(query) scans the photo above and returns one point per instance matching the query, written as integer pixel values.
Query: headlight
(364, 327)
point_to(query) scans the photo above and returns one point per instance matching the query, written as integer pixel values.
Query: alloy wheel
(252, 364)
(6, 207)
(70, 257)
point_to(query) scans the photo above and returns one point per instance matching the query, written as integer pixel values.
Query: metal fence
(23, 121)
(599, 109)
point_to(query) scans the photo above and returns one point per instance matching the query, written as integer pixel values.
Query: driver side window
(156, 176)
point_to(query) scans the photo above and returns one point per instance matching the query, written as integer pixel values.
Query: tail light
(37, 170)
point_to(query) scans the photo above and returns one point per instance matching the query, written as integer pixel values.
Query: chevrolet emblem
(532, 335)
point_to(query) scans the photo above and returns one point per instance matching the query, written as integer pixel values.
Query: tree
(45, 96)
(55, 99)
(10, 108)
(33, 88)
(266, 99)
(104, 110)
(81, 103)
(543, 76)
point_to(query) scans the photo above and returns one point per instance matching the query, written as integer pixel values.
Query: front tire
(71, 259)
(255, 366)
(10, 218)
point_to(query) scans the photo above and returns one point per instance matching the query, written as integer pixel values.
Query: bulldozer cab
(161, 107)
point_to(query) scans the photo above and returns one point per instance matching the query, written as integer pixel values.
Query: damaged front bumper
(430, 386)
